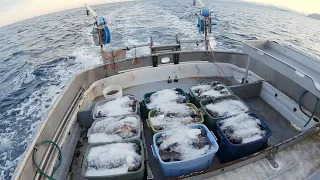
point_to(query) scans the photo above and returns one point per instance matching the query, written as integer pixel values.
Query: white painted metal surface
(294, 64)
(285, 105)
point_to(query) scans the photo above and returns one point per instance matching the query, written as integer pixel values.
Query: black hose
(300, 106)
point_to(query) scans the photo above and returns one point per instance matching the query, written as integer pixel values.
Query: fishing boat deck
(281, 128)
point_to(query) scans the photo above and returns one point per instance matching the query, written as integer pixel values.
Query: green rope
(35, 160)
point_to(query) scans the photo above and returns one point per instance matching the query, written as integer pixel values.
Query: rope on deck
(37, 164)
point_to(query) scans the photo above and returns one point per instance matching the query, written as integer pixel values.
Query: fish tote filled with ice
(241, 136)
(208, 90)
(114, 129)
(242, 129)
(177, 116)
(183, 144)
(116, 160)
(184, 150)
(220, 108)
(160, 99)
(121, 106)
(225, 108)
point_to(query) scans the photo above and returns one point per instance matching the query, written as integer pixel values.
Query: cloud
(17, 10)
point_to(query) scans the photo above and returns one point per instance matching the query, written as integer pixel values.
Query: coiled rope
(37, 164)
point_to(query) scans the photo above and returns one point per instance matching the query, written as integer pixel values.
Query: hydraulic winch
(204, 22)
(100, 31)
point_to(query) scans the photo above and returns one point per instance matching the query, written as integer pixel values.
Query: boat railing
(174, 49)
(298, 66)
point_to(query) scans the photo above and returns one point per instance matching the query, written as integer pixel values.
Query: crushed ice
(114, 129)
(112, 159)
(118, 107)
(174, 116)
(226, 108)
(162, 99)
(183, 144)
(210, 90)
(242, 129)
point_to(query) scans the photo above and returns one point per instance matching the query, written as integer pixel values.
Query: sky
(304, 6)
(16, 10)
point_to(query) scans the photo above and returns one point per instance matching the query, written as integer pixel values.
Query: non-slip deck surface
(280, 127)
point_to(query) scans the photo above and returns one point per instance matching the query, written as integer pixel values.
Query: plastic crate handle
(153, 152)
(221, 137)
(201, 111)
(214, 136)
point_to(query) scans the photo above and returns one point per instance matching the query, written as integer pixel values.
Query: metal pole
(247, 71)
(206, 38)
(92, 12)
(136, 46)
(191, 41)
(201, 4)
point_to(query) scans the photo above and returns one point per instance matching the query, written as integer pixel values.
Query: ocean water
(38, 56)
